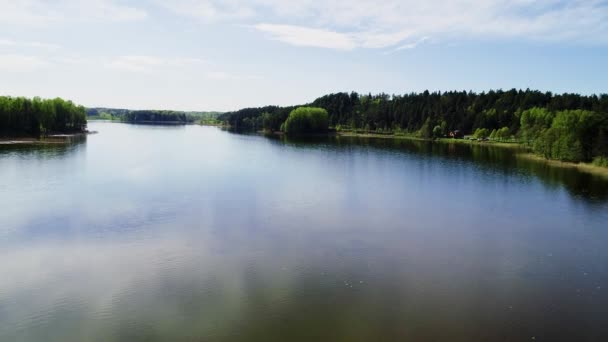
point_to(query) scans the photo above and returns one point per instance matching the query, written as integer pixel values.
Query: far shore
(523, 152)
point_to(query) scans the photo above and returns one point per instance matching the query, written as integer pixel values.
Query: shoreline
(501, 144)
(523, 152)
(53, 139)
(582, 167)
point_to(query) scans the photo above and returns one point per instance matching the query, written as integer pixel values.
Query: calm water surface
(194, 234)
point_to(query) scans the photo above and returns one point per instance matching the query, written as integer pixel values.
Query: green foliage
(136, 116)
(533, 121)
(437, 132)
(267, 121)
(35, 117)
(559, 144)
(481, 133)
(463, 111)
(500, 134)
(155, 116)
(503, 133)
(103, 116)
(573, 136)
(502, 115)
(444, 128)
(307, 120)
(426, 131)
(600, 161)
(248, 119)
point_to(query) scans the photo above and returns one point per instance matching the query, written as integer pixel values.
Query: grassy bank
(408, 136)
(583, 167)
(413, 136)
(595, 168)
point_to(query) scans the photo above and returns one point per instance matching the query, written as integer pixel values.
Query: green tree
(437, 132)
(307, 120)
(481, 133)
(35, 117)
(426, 131)
(503, 133)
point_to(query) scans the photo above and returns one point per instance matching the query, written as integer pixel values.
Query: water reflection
(42, 151)
(192, 234)
(585, 186)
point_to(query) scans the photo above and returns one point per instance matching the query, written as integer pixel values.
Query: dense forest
(35, 117)
(159, 116)
(569, 127)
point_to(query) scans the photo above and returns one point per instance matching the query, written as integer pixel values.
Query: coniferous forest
(568, 127)
(35, 117)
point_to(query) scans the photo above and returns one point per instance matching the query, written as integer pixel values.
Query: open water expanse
(189, 233)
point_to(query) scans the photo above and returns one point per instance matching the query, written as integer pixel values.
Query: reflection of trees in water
(586, 186)
(44, 151)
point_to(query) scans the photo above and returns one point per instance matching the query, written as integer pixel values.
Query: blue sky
(224, 55)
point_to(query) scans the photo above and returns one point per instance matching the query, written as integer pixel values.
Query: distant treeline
(568, 119)
(160, 116)
(21, 116)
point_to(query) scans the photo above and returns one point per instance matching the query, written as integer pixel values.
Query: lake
(188, 233)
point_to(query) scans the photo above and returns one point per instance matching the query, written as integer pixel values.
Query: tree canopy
(35, 117)
(525, 115)
(135, 116)
(306, 120)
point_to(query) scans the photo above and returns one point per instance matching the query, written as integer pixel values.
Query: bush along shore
(568, 128)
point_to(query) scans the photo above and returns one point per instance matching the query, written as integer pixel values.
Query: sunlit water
(191, 233)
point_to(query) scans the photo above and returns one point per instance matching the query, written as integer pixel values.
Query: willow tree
(305, 120)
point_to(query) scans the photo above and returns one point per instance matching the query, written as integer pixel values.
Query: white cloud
(349, 24)
(21, 63)
(143, 63)
(109, 10)
(226, 76)
(43, 12)
(170, 65)
(12, 43)
(303, 36)
(209, 10)
(412, 45)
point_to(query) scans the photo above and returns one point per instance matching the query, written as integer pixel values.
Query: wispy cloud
(42, 12)
(142, 63)
(349, 24)
(412, 45)
(38, 45)
(21, 63)
(172, 66)
(209, 10)
(304, 36)
(227, 76)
